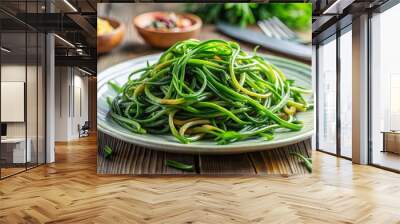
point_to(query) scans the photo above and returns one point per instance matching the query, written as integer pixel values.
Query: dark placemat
(130, 159)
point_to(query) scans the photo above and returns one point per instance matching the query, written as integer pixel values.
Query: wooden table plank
(258, 162)
(136, 160)
(236, 164)
(274, 162)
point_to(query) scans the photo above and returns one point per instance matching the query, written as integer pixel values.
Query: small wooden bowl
(162, 38)
(109, 41)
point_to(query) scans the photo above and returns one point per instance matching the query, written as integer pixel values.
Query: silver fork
(275, 28)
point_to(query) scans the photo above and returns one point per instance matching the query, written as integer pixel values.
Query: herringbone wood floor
(69, 191)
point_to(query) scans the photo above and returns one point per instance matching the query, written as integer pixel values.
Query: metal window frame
(369, 77)
(0, 90)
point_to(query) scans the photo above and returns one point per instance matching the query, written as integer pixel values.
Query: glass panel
(346, 94)
(385, 84)
(13, 86)
(32, 89)
(23, 82)
(327, 97)
(31, 99)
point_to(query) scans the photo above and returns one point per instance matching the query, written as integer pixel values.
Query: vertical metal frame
(73, 91)
(0, 90)
(37, 91)
(69, 91)
(317, 97)
(338, 74)
(26, 87)
(369, 77)
(45, 89)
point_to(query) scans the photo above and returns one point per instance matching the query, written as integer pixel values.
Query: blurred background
(288, 22)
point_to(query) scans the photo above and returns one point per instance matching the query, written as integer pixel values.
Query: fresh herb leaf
(107, 151)
(295, 15)
(306, 161)
(115, 87)
(179, 165)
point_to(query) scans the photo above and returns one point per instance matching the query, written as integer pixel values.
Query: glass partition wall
(334, 94)
(385, 90)
(334, 89)
(22, 77)
(13, 122)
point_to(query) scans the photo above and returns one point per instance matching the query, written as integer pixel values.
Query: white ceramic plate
(301, 73)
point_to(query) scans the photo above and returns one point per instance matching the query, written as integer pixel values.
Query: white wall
(81, 83)
(70, 83)
(61, 103)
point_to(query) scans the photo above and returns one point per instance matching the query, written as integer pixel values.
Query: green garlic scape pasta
(208, 90)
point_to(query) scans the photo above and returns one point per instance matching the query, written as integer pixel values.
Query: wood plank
(274, 162)
(237, 164)
(258, 162)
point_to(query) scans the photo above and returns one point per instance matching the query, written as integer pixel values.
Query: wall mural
(204, 89)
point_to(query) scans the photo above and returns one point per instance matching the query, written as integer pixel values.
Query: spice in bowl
(103, 27)
(110, 33)
(169, 22)
(164, 29)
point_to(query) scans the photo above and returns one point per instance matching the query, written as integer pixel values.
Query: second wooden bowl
(162, 38)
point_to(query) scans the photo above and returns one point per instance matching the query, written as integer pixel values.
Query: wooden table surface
(129, 159)
(135, 160)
